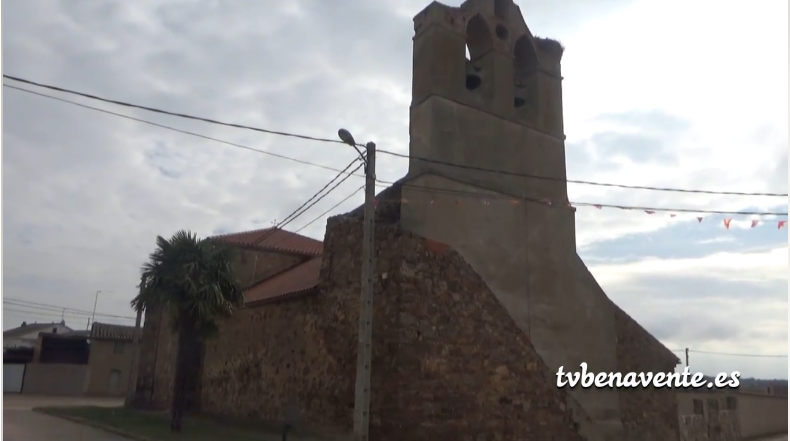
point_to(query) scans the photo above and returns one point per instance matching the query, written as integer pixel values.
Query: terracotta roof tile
(104, 331)
(274, 239)
(298, 280)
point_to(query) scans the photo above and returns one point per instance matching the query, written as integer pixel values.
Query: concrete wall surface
(105, 358)
(730, 415)
(762, 414)
(56, 379)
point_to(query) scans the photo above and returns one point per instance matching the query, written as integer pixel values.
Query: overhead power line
(317, 197)
(730, 354)
(329, 210)
(335, 141)
(56, 308)
(383, 183)
(739, 355)
(186, 132)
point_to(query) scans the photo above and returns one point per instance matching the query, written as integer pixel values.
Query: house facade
(475, 309)
(110, 360)
(26, 335)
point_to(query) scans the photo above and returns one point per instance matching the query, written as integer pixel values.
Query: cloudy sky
(657, 92)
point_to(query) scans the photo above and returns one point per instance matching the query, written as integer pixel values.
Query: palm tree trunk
(183, 357)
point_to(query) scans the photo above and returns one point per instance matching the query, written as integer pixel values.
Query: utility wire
(730, 354)
(53, 314)
(587, 204)
(383, 183)
(186, 132)
(56, 308)
(334, 141)
(317, 197)
(739, 355)
(574, 181)
(165, 112)
(327, 211)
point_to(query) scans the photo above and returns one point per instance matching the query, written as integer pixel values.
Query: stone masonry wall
(449, 362)
(708, 416)
(157, 363)
(648, 414)
(158, 344)
(271, 359)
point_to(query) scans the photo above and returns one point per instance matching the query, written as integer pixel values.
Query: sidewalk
(144, 426)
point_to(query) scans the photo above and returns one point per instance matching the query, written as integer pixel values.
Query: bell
(520, 98)
(473, 79)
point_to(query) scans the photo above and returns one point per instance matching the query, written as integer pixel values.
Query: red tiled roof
(274, 239)
(297, 280)
(104, 331)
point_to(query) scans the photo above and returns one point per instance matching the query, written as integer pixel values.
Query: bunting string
(457, 200)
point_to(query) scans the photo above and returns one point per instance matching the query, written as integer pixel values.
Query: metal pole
(132, 388)
(95, 302)
(687, 357)
(364, 350)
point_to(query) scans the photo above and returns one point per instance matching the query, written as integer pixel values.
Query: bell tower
(487, 93)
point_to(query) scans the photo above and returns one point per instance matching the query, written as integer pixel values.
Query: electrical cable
(318, 139)
(327, 211)
(186, 132)
(383, 183)
(739, 355)
(58, 309)
(317, 197)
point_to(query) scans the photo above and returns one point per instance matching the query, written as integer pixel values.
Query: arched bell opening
(525, 69)
(478, 43)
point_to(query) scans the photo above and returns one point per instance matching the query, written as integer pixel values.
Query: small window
(699, 407)
(118, 347)
(732, 403)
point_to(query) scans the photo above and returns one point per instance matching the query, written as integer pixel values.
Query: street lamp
(364, 350)
(95, 302)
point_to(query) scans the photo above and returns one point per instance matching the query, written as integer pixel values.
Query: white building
(27, 334)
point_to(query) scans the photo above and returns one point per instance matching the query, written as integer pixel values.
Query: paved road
(775, 438)
(22, 424)
(26, 425)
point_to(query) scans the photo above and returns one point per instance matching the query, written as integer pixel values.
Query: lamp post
(364, 349)
(95, 302)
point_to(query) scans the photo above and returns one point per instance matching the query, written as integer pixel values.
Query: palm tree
(192, 280)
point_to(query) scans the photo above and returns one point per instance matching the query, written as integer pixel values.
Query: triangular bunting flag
(699, 219)
(727, 223)
(650, 212)
(672, 214)
(781, 224)
(755, 222)
(598, 206)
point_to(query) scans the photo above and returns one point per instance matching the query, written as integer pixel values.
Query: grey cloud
(87, 193)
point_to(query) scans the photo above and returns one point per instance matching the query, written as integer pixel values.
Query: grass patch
(156, 426)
